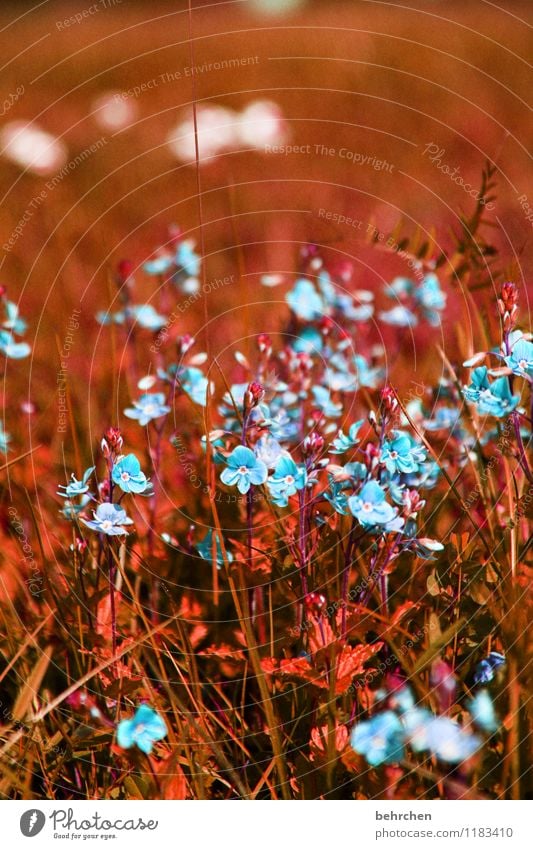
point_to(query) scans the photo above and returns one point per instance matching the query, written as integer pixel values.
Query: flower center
(394, 454)
(125, 476)
(243, 470)
(149, 409)
(107, 524)
(368, 506)
(522, 364)
(289, 479)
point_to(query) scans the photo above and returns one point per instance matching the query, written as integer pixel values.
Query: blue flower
(70, 510)
(205, 549)
(268, 449)
(305, 301)
(399, 316)
(287, 479)
(439, 735)
(342, 442)
(444, 418)
(5, 439)
(144, 729)
(400, 287)
(76, 487)
(146, 316)
(379, 739)
(149, 406)
(244, 469)
(402, 454)
(10, 348)
(492, 399)
(402, 700)
(187, 259)
(449, 742)
(323, 400)
(482, 711)
(127, 474)
(371, 509)
(486, 667)
(195, 383)
(520, 360)
(309, 341)
(158, 265)
(337, 497)
(430, 297)
(109, 519)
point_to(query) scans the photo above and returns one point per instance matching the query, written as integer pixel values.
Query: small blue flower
(449, 742)
(205, 549)
(150, 406)
(128, 476)
(402, 454)
(444, 418)
(5, 439)
(13, 321)
(400, 287)
(268, 449)
(195, 384)
(11, 349)
(337, 497)
(482, 711)
(416, 722)
(322, 399)
(379, 739)
(109, 519)
(430, 297)
(399, 316)
(402, 700)
(305, 301)
(76, 487)
(244, 469)
(342, 442)
(492, 399)
(187, 259)
(371, 509)
(520, 360)
(71, 510)
(485, 669)
(158, 265)
(146, 316)
(287, 479)
(309, 341)
(144, 729)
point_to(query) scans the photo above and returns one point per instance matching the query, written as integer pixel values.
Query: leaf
(31, 686)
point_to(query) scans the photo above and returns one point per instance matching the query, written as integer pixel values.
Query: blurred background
(307, 110)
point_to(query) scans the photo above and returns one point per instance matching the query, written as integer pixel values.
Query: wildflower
(195, 384)
(205, 549)
(5, 439)
(77, 487)
(11, 349)
(146, 316)
(144, 729)
(287, 479)
(268, 449)
(159, 265)
(448, 741)
(493, 399)
(402, 454)
(128, 476)
(430, 298)
(323, 400)
(520, 360)
(149, 406)
(402, 700)
(399, 316)
(486, 667)
(371, 509)
(379, 739)
(482, 711)
(342, 442)
(444, 418)
(305, 301)
(308, 341)
(187, 259)
(109, 519)
(244, 469)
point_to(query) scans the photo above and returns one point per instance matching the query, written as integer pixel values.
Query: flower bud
(253, 395)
